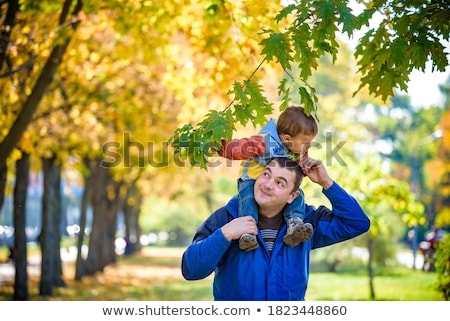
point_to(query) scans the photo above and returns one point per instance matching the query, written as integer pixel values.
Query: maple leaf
(258, 103)
(219, 125)
(285, 12)
(348, 20)
(242, 114)
(277, 45)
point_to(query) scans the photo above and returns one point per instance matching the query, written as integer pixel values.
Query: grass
(406, 285)
(155, 275)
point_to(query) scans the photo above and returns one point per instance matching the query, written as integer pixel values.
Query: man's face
(273, 188)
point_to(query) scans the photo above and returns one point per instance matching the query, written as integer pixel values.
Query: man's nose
(269, 183)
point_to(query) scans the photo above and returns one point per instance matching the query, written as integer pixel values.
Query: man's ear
(293, 197)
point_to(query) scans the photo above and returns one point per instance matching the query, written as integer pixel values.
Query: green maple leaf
(277, 46)
(239, 93)
(308, 100)
(283, 92)
(285, 12)
(398, 51)
(242, 114)
(258, 103)
(218, 125)
(347, 19)
(180, 138)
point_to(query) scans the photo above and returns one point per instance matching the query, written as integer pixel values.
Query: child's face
(298, 144)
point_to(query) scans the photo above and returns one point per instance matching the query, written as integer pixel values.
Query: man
(273, 271)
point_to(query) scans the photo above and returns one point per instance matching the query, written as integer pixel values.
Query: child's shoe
(248, 242)
(297, 232)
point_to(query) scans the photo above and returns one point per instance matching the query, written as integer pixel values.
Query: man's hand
(241, 225)
(316, 172)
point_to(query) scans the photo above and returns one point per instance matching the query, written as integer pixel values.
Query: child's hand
(316, 172)
(219, 150)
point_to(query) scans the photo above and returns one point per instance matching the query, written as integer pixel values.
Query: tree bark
(3, 177)
(7, 27)
(85, 202)
(131, 212)
(94, 260)
(50, 237)
(113, 204)
(20, 238)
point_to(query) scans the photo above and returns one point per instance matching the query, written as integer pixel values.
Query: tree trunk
(113, 204)
(59, 214)
(51, 268)
(131, 211)
(3, 176)
(87, 194)
(20, 238)
(6, 29)
(370, 268)
(94, 261)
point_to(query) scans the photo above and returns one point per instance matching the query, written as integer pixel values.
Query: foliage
(199, 142)
(441, 168)
(413, 137)
(409, 34)
(442, 265)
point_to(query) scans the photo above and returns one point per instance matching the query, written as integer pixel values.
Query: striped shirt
(269, 228)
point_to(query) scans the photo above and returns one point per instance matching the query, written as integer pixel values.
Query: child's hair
(293, 121)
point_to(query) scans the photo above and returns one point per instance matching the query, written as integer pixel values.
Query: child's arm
(244, 148)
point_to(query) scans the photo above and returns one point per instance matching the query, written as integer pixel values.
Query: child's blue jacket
(257, 276)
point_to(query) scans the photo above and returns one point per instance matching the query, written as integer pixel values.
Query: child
(291, 137)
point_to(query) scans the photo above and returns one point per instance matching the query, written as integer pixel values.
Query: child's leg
(247, 207)
(296, 208)
(297, 230)
(247, 204)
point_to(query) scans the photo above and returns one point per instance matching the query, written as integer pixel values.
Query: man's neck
(269, 212)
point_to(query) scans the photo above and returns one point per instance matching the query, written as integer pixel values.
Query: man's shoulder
(314, 215)
(232, 206)
(217, 219)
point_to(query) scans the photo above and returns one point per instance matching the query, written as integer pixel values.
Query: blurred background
(91, 176)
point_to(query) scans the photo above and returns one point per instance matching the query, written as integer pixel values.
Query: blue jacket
(257, 276)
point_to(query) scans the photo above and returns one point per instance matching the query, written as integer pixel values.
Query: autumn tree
(68, 21)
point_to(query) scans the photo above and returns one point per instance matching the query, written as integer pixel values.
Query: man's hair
(293, 121)
(292, 166)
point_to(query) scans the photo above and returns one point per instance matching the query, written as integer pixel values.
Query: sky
(424, 87)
